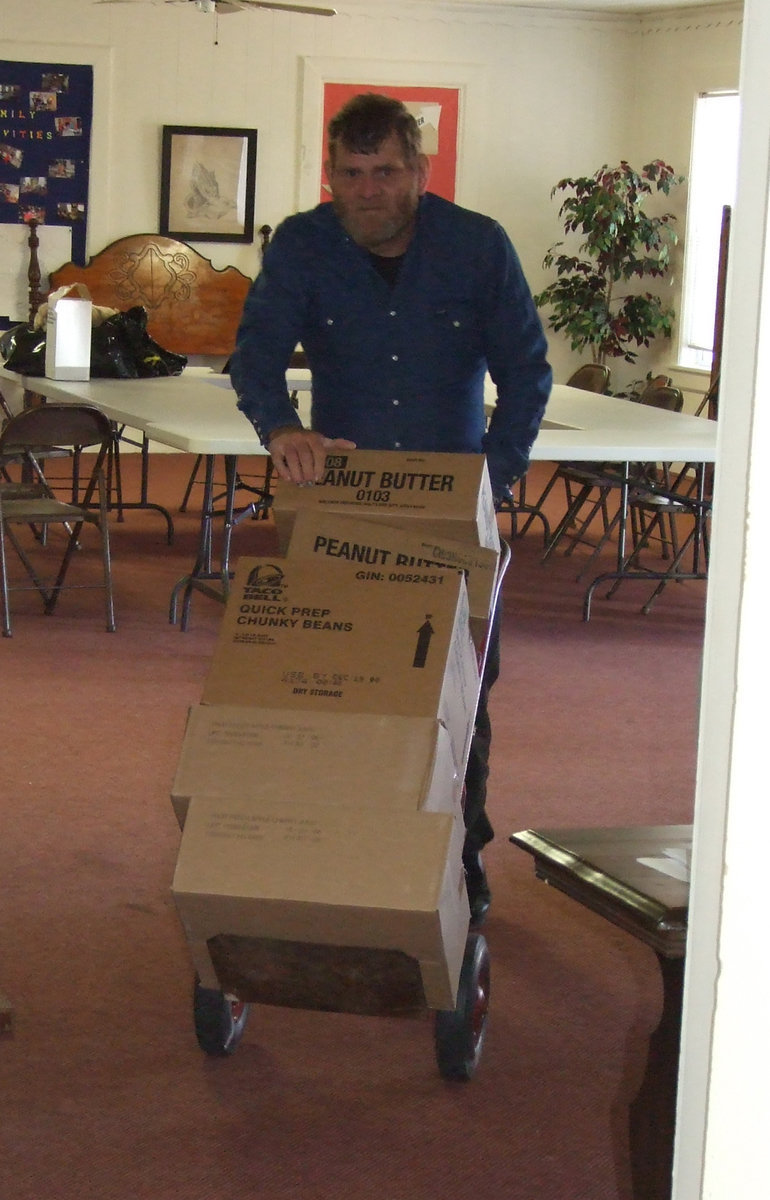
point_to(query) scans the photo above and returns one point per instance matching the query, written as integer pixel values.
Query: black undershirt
(388, 268)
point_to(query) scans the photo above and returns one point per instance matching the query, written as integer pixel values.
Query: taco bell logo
(265, 582)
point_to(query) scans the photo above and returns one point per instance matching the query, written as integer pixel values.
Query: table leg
(622, 518)
(215, 583)
(652, 1114)
(231, 478)
(144, 501)
(202, 565)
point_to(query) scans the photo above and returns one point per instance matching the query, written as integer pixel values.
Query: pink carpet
(103, 1090)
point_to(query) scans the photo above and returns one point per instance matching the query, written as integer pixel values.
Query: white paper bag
(68, 334)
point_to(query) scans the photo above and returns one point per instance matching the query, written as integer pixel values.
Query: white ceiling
(621, 5)
(599, 6)
(616, 6)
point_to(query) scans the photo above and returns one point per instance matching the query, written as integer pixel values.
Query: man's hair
(363, 124)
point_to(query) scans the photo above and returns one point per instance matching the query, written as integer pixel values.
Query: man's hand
(299, 454)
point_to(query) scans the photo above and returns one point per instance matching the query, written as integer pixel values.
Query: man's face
(375, 195)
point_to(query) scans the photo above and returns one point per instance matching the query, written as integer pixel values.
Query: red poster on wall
(436, 111)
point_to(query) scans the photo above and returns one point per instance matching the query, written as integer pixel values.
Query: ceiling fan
(224, 7)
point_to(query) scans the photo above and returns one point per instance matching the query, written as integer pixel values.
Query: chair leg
(672, 541)
(191, 483)
(669, 540)
(517, 507)
(109, 600)
(571, 517)
(27, 564)
(114, 473)
(671, 573)
(599, 505)
(609, 530)
(567, 520)
(104, 530)
(7, 631)
(72, 545)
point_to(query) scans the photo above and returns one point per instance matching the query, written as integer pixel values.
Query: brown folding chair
(31, 501)
(590, 377)
(687, 495)
(32, 458)
(576, 475)
(597, 482)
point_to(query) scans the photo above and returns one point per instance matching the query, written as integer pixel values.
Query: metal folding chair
(30, 501)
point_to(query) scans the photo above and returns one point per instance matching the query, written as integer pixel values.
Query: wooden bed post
(36, 297)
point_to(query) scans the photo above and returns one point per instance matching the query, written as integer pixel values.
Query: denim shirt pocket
(455, 328)
(337, 317)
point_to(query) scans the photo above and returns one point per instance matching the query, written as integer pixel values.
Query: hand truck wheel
(219, 1020)
(459, 1032)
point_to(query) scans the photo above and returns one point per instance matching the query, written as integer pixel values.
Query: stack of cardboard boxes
(319, 787)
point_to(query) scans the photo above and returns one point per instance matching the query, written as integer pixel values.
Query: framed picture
(207, 185)
(436, 112)
(440, 95)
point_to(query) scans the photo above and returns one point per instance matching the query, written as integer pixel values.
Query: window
(713, 170)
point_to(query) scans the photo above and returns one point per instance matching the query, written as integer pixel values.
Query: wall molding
(513, 13)
(689, 20)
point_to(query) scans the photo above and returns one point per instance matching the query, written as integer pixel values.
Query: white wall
(547, 95)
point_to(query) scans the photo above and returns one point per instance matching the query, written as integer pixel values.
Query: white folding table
(195, 412)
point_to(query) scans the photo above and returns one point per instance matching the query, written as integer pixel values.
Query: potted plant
(620, 242)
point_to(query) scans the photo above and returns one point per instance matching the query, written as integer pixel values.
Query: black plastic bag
(121, 348)
(23, 350)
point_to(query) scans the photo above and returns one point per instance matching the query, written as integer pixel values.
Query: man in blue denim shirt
(401, 301)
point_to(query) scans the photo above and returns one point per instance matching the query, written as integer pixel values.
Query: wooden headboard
(193, 307)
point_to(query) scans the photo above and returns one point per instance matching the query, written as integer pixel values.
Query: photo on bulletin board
(434, 108)
(208, 181)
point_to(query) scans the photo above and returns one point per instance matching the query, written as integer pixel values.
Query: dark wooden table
(600, 868)
(6, 1014)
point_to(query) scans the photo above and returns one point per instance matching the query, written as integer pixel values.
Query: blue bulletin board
(45, 141)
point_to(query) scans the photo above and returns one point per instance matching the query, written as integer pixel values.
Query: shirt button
(456, 324)
(394, 402)
(330, 320)
(392, 312)
(396, 445)
(394, 357)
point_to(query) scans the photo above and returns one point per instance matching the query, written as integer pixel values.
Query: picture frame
(326, 81)
(434, 108)
(208, 183)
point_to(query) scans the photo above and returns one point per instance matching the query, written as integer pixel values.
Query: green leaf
(620, 241)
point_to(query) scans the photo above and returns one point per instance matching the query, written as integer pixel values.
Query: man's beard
(377, 227)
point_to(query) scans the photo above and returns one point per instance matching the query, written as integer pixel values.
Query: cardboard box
(441, 495)
(323, 883)
(337, 537)
(68, 338)
(403, 764)
(309, 636)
